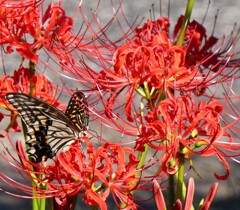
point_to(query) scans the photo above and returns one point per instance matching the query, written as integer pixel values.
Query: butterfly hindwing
(77, 110)
(48, 128)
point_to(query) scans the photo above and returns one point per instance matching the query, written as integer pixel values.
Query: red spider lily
(30, 30)
(93, 173)
(21, 81)
(17, 22)
(180, 118)
(149, 58)
(152, 52)
(150, 64)
(160, 202)
(167, 79)
(180, 121)
(105, 170)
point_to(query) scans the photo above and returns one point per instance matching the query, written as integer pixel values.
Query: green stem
(142, 156)
(38, 203)
(185, 23)
(171, 191)
(180, 176)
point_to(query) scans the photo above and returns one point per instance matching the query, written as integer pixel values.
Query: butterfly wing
(77, 110)
(48, 128)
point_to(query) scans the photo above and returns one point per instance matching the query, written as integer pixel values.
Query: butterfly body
(48, 128)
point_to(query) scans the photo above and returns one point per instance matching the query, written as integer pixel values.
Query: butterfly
(48, 128)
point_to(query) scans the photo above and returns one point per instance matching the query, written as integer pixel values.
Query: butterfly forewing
(48, 128)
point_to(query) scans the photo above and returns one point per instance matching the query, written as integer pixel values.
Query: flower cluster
(170, 81)
(95, 173)
(153, 87)
(52, 31)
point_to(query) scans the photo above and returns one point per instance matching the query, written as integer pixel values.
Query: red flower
(106, 170)
(156, 81)
(151, 65)
(151, 52)
(95, 174)
(180, 121)
(23, 29)
(21, 81)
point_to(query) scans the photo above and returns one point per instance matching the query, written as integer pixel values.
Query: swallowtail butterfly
(48, 128)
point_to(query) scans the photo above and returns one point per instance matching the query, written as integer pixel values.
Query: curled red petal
(226, 165)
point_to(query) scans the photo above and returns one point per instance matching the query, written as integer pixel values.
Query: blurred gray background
(228, 196)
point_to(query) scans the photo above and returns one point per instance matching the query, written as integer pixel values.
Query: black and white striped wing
(48, 128)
